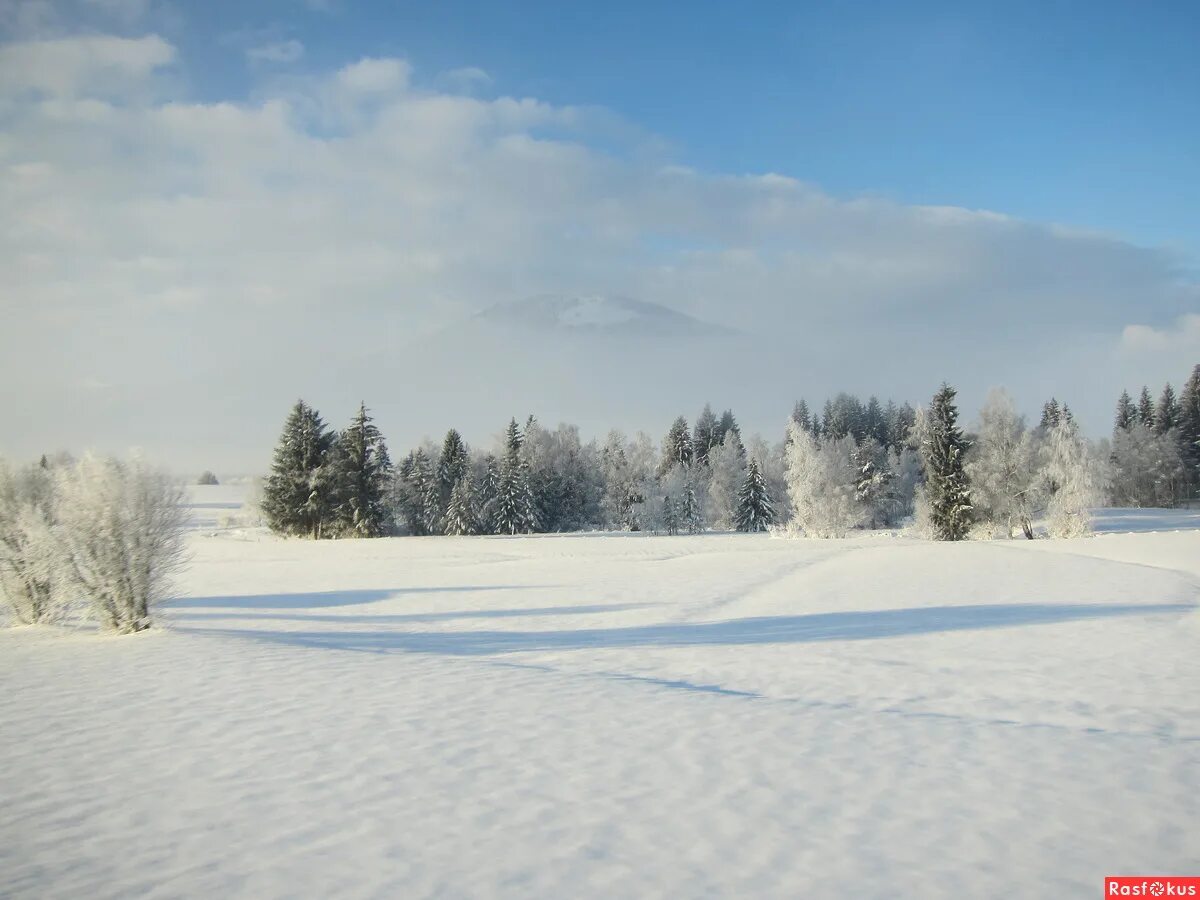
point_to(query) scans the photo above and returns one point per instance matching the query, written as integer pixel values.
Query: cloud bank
(174, 273)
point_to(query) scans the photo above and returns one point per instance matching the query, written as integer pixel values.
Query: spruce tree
(1189, 428)
(755, 510)
(670, 518)
(514, 511)
(1146, 408)
(488, 490)
(801, 416)
(728, 430)
(453, 464)
(1051, 415)
(704, 437)
(362, 473)
(874, 422)
(1126, 412)
(690, 516)
(297, 495)
(946, 483)
(677, 447)
(461, 515)
(1166, 414)
(873, 481)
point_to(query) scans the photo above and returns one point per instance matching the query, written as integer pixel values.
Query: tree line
(853, 465)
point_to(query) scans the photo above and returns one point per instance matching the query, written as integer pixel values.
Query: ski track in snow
(600, 716)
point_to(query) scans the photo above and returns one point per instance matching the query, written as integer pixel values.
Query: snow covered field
(619, 716)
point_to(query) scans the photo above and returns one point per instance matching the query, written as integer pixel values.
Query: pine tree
(1051, 415)
(801, 416)
(1167, 413)
(728, 430)
(873, 481)
(677, 447)
(1189, 428)
(670, 519)
(514, 511)
(1146, 408)
(488, 491)
(705, 436)
(691, 518)
(297, 495)
(1126, 412)
(755, 510)
(453, 464)
(461, 515)
(513, 438)
(874, 423)
(362, 472)
(947, 485)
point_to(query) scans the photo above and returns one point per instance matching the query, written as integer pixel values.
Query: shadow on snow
(321, 599)
(839, 626)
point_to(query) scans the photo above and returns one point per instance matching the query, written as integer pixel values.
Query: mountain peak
(596, 314)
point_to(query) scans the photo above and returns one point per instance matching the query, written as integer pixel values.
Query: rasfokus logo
(1151, 886)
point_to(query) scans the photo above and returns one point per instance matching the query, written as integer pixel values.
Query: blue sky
(1080, 113)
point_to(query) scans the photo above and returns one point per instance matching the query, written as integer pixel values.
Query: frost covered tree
(755, 510)
(298, 495)
(1189, 429)
(1069, 463)
(453, 464)
(1126, 415)
(515, 512)
(121, 528)
(677, 447)
(362, 470)
(622, 496)
(461, 515)
(1051, 415)
(1166, 413)
(704, 438)
(1146, 412)
(691, 516)
(1003, 468)
(670, 518)
(565, 478)
(728, 429)
(1147, 469)
(946, 483)
(206, 477)
(727, 468)
(873, 483)
(820, 480)
(418, 494)
(801, 416)
(28, 554)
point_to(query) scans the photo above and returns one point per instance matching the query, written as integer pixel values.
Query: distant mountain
(596, 315)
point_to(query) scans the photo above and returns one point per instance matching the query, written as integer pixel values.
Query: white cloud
(466, 79)
(210, 261)
(1183, 338)
(371, 76)
(67, 67)
(284, 52)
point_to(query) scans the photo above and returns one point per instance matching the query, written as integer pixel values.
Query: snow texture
(619, 716)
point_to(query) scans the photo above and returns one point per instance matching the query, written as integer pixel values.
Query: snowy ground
(620, 716)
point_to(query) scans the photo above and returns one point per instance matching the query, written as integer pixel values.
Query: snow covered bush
(1003, 467)
(820, 481)
(727, 471)
(27, 550)
(1073, 471)
(119, 537)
